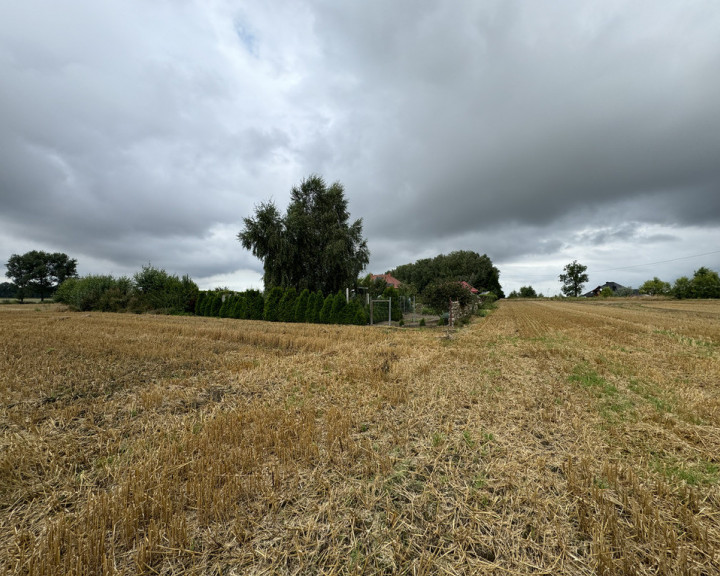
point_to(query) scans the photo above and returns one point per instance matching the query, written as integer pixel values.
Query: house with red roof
(389, 279)
(468, 287)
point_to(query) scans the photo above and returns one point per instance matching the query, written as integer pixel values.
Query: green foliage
(573, 278)
(360, 317)
(437, 295)
(271, 312)
(158, 291)
(39, 271)
(7, 290)
(325, 316)
(422, 322)
(199, 303)
(606, 292)
(301, 305)
(705, 283)
(338, 308)
(461, 265)
(315, 304)
(655, 287)
(313, 245)
(226, 306)
(215, 304)
(101, 293)
(239, 309)
(527, 292)
(255, 307)
(287, 306)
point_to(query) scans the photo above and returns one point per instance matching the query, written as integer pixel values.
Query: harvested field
(547, 438)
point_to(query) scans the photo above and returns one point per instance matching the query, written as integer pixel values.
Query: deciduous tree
(313, 245)
(40, 271)
(573, 278)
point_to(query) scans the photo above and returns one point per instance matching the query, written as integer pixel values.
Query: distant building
(614, 286)
(389, 279)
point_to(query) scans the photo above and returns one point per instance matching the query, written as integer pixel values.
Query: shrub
(325, 316)
(286, 312)
(159, 291)
(239, 309)
(272, 304)
(422, 322)
(255, 306)
(301, 305)
(215, 304)
(317, 306)
(226, 306)
(199, 303)
(338, 307)
(95, 292)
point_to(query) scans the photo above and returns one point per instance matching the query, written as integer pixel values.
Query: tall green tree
(39, 271)
(655, 287)
(573, 278)
(313, 245)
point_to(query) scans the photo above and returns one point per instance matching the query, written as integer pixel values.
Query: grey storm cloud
(137, 132)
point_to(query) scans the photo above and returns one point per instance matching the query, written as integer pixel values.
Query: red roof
(389, 280)
(472, 290)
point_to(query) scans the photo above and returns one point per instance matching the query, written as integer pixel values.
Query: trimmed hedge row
(282, 305)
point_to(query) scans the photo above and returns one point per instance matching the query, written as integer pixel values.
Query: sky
(538, 133)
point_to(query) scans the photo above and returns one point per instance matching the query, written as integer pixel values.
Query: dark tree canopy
(461, 265)
(39, 271)
(313, 245)
(438, 294)
(573, 278)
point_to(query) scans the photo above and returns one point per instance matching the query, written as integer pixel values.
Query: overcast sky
(136, 132)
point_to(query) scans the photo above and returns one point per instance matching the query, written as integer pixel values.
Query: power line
(659, 262)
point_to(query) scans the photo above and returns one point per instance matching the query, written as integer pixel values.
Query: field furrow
(547, 438)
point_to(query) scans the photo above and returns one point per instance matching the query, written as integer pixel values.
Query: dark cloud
(135, 133)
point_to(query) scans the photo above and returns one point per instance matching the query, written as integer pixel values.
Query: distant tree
(655, 287)
(313, 245)
(573, 278)
(706, 283)
(7, 290)
(527, 292)
(41, 271)
(606, 292)
(513, 294)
